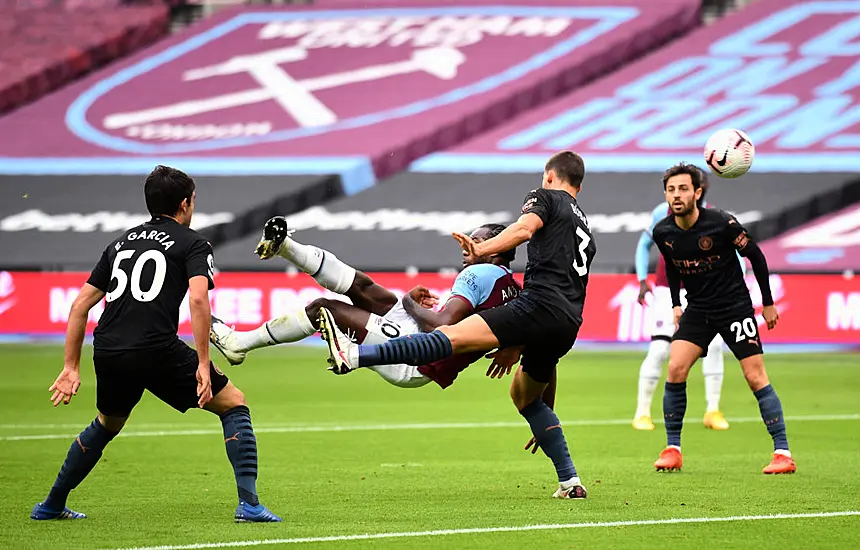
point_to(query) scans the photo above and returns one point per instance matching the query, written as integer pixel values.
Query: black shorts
(546, 334)
(169, 373)
(738, 328)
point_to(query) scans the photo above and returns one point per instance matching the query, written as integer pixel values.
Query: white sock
(322, 265)
(712, 369)
(649, 375)
(783, 452)
(292, 327)
(402, 376)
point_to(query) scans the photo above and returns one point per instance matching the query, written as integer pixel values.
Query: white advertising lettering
(443, 222)
(7, 291)
(843, 311)
(435, 41)
(813, 308)
(105, 222)
(61, 300)
(790, 79)
(260, 78)
(419, 32)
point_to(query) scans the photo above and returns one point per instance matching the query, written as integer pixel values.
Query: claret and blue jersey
(485, 286)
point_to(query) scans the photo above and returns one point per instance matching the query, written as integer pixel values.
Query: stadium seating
(46, 44)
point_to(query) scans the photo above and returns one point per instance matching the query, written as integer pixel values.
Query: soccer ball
(729, 153)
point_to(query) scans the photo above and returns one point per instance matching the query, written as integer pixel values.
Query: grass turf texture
(169, 489)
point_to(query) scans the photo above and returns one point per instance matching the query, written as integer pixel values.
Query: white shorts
(663, 315)
(396, 322)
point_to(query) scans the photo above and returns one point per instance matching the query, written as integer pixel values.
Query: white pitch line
(506, 529)
(394, 427)
(162, 425)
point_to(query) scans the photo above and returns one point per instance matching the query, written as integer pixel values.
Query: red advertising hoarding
(813, 308)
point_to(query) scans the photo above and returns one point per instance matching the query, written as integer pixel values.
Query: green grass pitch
(352, 455)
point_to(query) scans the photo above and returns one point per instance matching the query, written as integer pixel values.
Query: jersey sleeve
(657, 215)
(646, 241)
(672, 275)
(475, 283)
(643, 255)
(539, 202)
(200, 261)
(736, 233)
(100, 275)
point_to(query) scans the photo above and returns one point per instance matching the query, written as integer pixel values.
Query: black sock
(674, 408)
(241, 446)
(82, 457)
(416, 349)
(547, 431)
(771, 412)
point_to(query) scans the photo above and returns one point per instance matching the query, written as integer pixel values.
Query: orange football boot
(780, 464)
(670, 459)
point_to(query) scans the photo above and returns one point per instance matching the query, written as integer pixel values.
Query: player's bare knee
(313, 309)
(524, 389)
(234, 398)
(677, 371)
(112, 423)
(754, 372)
(519, 396)
(228, 398)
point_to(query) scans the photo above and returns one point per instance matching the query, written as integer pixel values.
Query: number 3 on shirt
(584, 240)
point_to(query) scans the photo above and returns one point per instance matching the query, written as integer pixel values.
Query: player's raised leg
(375, 330)
(470, 334)
(682, 355)
(320, 264)
(713, 366)
(293, 326)
(85, 452)
(330, 272)
(234, 345)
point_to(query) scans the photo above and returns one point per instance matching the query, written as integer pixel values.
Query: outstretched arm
(67, 383)
(643, 255)
(674, 279)
(511, 237)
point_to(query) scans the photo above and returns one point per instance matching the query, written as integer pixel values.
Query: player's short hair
(704, 185)
(494, 229)
(684, 168)
(568, 166)
(165, 189)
